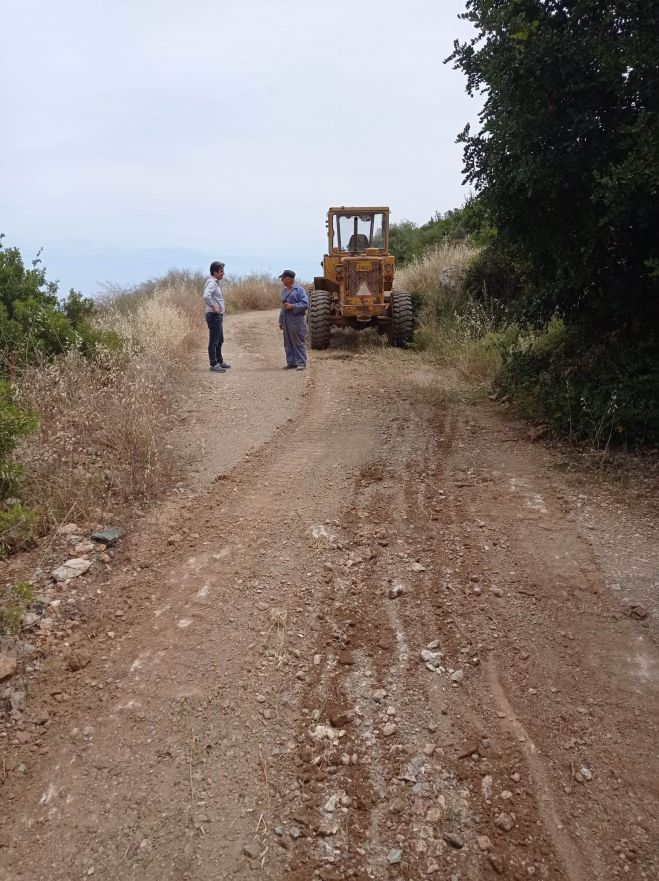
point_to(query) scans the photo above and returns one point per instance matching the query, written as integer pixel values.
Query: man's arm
(301, 301)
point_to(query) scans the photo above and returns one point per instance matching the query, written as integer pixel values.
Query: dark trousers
(215, 337)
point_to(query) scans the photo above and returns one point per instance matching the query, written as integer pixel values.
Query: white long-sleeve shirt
(213, 296)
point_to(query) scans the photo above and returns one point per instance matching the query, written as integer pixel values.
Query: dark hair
(215, 266)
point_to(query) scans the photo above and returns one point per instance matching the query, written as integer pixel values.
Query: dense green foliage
(598, 391)
(567, 158)
(407, 240)
(34, 324)
(566, 166)
(32, 320)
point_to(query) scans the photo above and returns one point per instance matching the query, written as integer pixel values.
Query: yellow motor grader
(356, 288)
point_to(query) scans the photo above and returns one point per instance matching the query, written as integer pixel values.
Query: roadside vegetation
(256, 291)
(558, 303)
(89, 391)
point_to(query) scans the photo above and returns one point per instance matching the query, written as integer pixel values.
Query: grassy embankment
(100, 445)
(601, 393)
(455, 330)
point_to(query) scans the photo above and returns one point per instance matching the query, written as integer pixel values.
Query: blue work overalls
(294, 325)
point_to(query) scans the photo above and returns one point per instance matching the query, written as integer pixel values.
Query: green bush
(492, 278)
(408, 241)
(34, 324)
(601, 392)
(33, 321)
(15, 600)
(14, 424)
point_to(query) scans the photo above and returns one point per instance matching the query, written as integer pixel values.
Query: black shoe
(288, 367)
(225, 365)
(217, 368)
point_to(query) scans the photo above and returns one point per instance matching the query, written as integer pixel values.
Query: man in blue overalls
(294, 305)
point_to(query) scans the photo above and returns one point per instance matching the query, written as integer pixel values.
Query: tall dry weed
(103, 420)
(252, 292)
(455, 330)
(438, 276)
(184, 289)
(159, 327)
(100, 442)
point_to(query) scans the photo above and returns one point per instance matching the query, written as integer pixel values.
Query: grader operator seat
(358, 243)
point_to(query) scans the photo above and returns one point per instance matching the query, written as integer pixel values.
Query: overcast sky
(141, 135)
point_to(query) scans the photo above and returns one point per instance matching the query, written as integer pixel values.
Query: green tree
(566, 162)
(407, 240)
(33, 321)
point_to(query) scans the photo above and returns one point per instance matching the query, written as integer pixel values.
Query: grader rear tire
(402, 322)
(318, 319)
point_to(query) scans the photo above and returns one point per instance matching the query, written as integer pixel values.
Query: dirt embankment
(372, 637)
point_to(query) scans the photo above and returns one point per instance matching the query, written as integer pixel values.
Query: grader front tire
(402, 322)
(319, 319)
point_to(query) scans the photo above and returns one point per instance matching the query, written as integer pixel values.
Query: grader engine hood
(363, 279)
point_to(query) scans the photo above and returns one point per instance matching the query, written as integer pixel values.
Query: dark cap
(287, 273)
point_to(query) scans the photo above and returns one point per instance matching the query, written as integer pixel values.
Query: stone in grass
(71, 569)
(108, 537)
(394, 856)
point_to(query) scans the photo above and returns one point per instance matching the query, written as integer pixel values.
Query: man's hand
(289, 306)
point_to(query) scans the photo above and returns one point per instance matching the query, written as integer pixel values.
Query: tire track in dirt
(564, 845)
(237, 721)
(143, 801)
(402, 791)
(538, 584)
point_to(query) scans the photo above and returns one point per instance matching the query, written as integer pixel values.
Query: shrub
(436, 278)
(155, 325)
(16, 521)
(15, 599)
(14, 424)
(602, 392)
(492, 278)
(33, 321)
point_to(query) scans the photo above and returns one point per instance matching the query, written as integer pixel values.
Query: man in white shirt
(214, 300)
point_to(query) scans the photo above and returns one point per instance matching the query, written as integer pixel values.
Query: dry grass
(252, 292)
(159, 327)
(103, 421)
(185, 289)
(438, 276)
(101, 444)
(455, 331)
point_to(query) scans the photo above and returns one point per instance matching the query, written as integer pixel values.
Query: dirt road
(376, 634)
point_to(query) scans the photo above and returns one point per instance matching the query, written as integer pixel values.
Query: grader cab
(356, 288)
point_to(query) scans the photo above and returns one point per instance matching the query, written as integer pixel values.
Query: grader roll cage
(356, 288)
